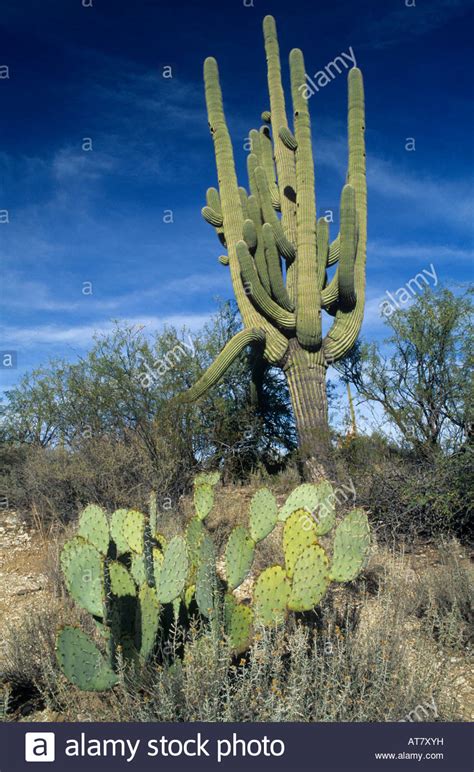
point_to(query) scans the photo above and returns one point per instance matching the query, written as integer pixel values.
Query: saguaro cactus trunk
(278, 262)
(307, 387)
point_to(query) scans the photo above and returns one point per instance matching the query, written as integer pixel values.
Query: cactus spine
(281, 310)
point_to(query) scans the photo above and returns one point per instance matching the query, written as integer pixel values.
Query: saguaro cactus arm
(284, 157)
(308, 303)
(281, 318)
(232, 213)
(228, 354)
(345, 329)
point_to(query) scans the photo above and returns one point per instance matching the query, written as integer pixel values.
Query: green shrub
(409, 497)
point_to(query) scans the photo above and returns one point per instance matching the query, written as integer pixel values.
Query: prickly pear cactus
(308, 573)
(316, 500)
(149, 615)
(204, 484)
(173, 571)
(310, 579)
(122, 571)
(83, 569)
(133, 530)
(117, 530)
(94, 528)
(299, 532)
(239, 627)
(121, 582)
(111, 569)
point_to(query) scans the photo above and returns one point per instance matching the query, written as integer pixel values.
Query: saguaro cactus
(281, 306)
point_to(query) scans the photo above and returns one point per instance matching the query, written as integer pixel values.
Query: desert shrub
(29, 675)
(12, 460)
(444, 599)
(53, 484)
(408, 496)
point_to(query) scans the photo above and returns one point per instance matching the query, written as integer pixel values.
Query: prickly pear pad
(263, 514)
(310, 579)
(299, 532)
(121, 583)
(351, 545)
(117, 530)
(134, 530)
(271, 594)
(82, 662)
(83, 569)
(240, 628)
(149, 618)
(203, 500)
(94, 527)
(173, 570)
(239, 555)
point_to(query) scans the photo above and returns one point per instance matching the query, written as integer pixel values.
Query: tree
(423, 376)
(123, 388)
(281, 308)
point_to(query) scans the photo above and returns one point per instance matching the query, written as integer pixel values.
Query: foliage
(411, 497)
(424, 379)
(105, 429)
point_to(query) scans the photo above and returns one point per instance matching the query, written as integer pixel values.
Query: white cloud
(21, 293)
(82, 335)
(451, 202)
(380, 251)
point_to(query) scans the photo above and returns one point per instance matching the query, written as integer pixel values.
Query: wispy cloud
(439, 253)
(438, 199)
(21, 293)
(82, 335)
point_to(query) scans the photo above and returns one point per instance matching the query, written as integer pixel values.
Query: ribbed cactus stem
(250, 234)
(244, 202)
(307, 386)
(347, 295)
(288, 138)
(323, 249)
(284, 157)
(343, 334)
(308, 303)
(330, 294)
(211, 216)
(252, 163)
(334, 251)
(286, 248)
(285, 320)
(268, 164)
(227, 356)
(274, 269)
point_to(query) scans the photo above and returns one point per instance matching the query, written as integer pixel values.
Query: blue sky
(97, 216)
